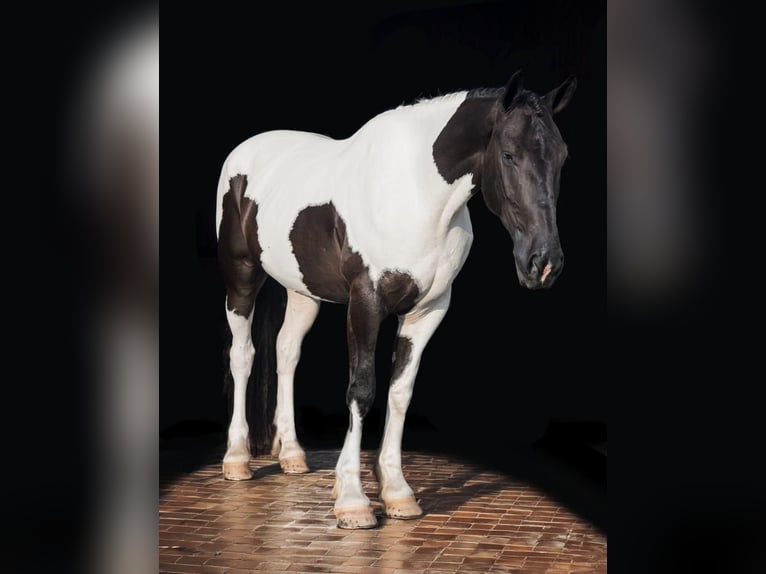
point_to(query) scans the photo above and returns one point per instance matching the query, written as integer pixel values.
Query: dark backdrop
(513, 377)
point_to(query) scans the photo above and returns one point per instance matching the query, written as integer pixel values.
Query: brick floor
(476, 521)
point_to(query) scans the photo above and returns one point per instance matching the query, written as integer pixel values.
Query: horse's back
(261, 156)
(266, 158)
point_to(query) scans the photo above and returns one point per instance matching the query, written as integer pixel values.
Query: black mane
(524, 97)
(485, 93)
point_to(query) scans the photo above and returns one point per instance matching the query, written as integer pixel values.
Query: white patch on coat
(241, 357)
(349, 482)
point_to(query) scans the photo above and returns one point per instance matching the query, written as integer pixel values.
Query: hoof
(276, 446)
(294, 465)
(355, 518)
(402, 508)
(237, 471)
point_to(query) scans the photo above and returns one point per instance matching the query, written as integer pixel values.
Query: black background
(685, 479)
(508, 368)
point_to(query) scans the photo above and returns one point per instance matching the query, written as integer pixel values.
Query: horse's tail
(267, 320)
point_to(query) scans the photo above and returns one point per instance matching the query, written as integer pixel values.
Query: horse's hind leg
(236, 460)
(244, 277)
(299, 317)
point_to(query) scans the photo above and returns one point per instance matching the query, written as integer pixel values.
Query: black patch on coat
(238, 248)
(333, 271)
(459, 147)
(367, 307)
(317, 238)
(403, 356)
(330, 266)
(398, 292)
(365, 313)
(248, 214)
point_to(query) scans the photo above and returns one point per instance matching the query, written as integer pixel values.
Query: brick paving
(476, 521)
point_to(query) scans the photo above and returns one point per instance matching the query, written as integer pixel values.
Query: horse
(379, 221)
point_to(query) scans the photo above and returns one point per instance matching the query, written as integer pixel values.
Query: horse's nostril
(534, 262)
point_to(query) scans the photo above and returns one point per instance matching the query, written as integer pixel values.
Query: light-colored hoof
(237, 471)
(294, 465)
(356, 517)
(276, 446)
(402, 508)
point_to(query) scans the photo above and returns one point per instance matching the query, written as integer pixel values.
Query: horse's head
(521, 172)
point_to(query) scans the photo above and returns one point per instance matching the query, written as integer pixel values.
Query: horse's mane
(531, 99)
(438, 98)
(485, 93)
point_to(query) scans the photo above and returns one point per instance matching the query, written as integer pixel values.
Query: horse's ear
(558, 98)
(512, 88)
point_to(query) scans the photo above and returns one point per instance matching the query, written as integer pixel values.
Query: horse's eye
(508, 158)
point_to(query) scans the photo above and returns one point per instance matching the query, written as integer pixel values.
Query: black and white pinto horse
(380, 221)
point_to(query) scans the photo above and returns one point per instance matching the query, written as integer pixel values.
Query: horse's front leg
(415, 329)
(365, 312)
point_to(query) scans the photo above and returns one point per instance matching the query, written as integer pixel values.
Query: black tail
(262, 386)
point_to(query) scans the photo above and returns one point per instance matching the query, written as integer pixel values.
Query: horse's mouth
(543, 280)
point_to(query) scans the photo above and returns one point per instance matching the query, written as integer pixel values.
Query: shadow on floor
(553, 465)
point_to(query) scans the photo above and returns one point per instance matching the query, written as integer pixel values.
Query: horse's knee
(399, 398)
(362, 392)
(241, 357)
(288, 353)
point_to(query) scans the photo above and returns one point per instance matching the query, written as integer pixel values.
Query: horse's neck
(428, 154)
(456, 131)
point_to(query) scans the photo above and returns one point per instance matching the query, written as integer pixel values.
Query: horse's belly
(301, 251)
(277, 257)
(311, 271)
(284, 277)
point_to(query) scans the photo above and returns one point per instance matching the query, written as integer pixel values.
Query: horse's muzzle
(541, 269)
